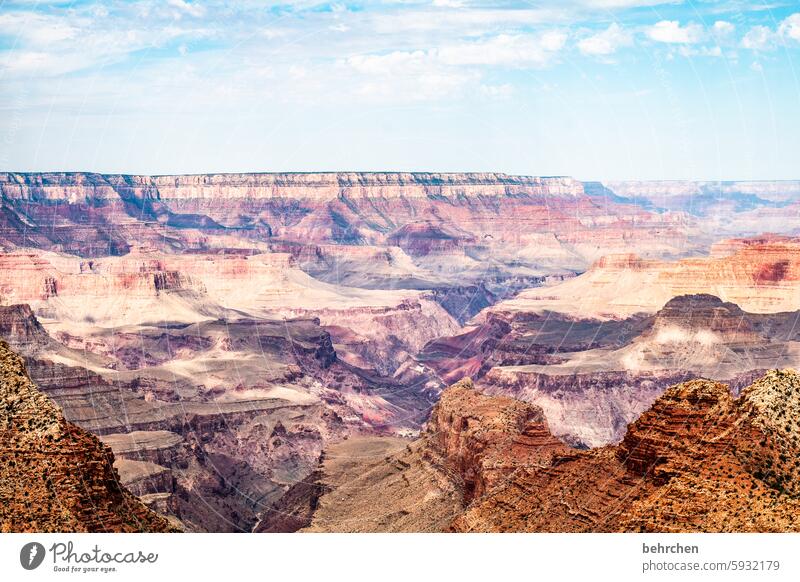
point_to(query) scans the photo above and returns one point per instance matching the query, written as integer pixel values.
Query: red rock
(54, 476)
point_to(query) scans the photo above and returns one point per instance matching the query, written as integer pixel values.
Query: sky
(595, 89)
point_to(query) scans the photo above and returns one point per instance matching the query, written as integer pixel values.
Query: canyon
(592, 377)
(697, 460)
(244, 343)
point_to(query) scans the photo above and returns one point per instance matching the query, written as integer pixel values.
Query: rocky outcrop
(593, 377)
(699, 460)
(295, 509)
(471, 445)
(54, 476)
(19, 325)
(486, 439)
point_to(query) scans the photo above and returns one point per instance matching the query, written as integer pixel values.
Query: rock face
(56, 477)
(209, 457)
(486, 439)
(444, 221)
(221, 331)
(19, 325)
(760, 276)
(471, 445)
(147, 287)
(699, 460)
(593, 377)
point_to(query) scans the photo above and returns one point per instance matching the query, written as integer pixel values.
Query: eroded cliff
(55, 476)
(697, 460)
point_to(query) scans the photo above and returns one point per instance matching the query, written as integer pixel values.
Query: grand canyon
(398, 352)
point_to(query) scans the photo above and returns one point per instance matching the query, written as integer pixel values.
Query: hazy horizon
(432, 172)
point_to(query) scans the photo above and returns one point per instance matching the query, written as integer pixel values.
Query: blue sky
(596, 89)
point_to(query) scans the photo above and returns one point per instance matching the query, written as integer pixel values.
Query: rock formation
(450, 221)
(698, 460)
(592, 377)
(55, 476)
(225, 333)
(471, 445)
(760, 277)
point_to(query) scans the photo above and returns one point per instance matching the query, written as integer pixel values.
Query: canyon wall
(698, 460)
(55, 476)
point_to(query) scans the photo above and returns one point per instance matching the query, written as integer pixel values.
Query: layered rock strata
(699, 460)
(760, 277)
(592, 376)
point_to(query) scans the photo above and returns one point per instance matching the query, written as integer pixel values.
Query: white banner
(399, 557)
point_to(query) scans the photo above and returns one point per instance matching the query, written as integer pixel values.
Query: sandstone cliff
(698, 460)
(446, 223)
(471, 445)
(54, 476)
(760, 276)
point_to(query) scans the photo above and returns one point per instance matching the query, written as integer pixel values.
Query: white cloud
(446, 70)
(502, 50)
(763, 38)
(464, 22)
(388, 63)
(53, 45)
(759, 38)
(448, 3)
(505, 50)
(723, 28)
(606, 42)
(671, 31)
(790, 27)
(405, 76)
(626, 3)
(188, 8)
(37, 29)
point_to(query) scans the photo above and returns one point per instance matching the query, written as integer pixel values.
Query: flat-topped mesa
(323, 186)
(760, 277)
(55, 476)
(705, 314)
(731, 246)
